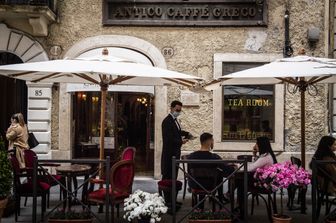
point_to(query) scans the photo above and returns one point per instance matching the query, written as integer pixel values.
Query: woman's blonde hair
(20, 119)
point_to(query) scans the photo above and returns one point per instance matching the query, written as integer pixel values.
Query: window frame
(279, 127)
(273, 107)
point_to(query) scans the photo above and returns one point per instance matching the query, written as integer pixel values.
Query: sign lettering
(247, 102)
(185, 13)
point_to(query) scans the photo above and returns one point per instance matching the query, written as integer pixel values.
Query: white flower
(140, 204)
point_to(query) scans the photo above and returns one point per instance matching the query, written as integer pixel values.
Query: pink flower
(281, 175)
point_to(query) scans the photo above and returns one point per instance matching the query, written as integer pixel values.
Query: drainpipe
(287, 50)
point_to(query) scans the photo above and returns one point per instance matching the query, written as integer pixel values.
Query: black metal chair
(257, 193)
(293, 189)
(185, 176)
(208, 178)
(323, 196)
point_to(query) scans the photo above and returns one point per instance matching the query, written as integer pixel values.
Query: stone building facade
(200, 51)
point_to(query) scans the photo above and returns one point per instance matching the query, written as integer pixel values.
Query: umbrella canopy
(103, 70)
(91, 70)
(301, 71)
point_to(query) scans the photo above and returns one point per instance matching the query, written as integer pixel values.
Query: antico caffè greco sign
(185, 13)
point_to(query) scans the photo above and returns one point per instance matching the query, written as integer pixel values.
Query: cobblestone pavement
(149, 185)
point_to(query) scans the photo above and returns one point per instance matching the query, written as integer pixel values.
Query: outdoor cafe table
(72, 172)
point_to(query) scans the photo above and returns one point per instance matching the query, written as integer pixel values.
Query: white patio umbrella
(302, 71)
(103, 70)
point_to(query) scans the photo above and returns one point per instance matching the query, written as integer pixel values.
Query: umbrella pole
(303, 128)
(103, 88)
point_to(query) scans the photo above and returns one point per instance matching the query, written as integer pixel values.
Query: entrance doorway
(13, 93)
(129, 122)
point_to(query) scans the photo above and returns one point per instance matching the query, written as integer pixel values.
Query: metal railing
(38, 167)
(319, 193)
(209, 193)
(50, 3)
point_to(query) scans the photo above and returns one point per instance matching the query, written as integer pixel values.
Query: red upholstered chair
(51, 179)
(128, 154)
(165, 189)
(121, 180)
(26, 189)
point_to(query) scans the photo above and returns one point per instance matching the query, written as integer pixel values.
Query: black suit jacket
(172, 142)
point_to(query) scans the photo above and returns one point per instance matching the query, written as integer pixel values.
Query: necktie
(178, 124)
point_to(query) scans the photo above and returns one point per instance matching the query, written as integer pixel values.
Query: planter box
(210, 221)
(70, 221)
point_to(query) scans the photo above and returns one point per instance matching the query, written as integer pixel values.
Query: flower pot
(69, 220)
(10, 207)
(211, 221)
(281, 219)
(144, 220)
(3, 204)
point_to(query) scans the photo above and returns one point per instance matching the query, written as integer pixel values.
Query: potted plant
(201, 216)
(278, 177)
(6, 177)
(62, 216)
(144, 207)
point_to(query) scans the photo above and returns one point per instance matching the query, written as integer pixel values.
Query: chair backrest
(242, 157)
(122, 176)
(207, 177)
(128, 153)
(16, 169)
(296, 161)
(29, 156)
(15, 164)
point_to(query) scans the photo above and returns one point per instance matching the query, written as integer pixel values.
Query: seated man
(205, 154)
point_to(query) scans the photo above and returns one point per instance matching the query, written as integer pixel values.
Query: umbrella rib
(21, 74)
(311, 80)
(177, 82)
(319, 79)
(45, 77)
(86, 77)
(187, 81)
(287, 80)
(120, 79)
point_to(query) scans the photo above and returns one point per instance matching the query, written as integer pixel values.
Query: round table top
(74, 169)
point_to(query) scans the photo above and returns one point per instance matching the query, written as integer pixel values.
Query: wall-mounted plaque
(185, 12)
(189, 98)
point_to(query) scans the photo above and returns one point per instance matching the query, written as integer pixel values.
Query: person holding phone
(17, 135)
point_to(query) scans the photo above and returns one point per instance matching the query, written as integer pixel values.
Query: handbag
(32, 141)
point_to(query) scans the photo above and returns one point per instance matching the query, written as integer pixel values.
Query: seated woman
(325, 151)
(266, 158)
(266, 155)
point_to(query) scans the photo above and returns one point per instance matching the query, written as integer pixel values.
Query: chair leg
(48, 199)
(25, 203)
(274, 204)
(112, 213)
(252, 206)
(269, 208)
(184, 187)
(43, 205)
(19, 206)
(328, 205)
(117, 210)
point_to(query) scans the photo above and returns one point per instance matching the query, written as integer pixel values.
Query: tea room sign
(185, 12)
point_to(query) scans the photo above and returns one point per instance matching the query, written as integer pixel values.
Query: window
(248, 112)
(225, 63)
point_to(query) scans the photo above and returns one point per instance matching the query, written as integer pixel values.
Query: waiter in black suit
(173, 137)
